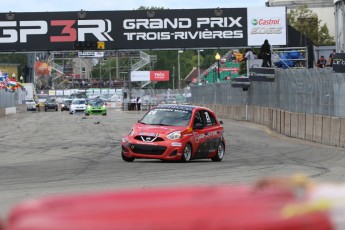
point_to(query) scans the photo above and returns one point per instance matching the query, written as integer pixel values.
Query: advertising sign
(267, 23)
(158, 75)
(339, 63)
(162, 75)
(261, 74)
(142, 29)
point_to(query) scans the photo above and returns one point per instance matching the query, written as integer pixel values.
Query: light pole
(179, 68)
(199, 62)
(217, 57)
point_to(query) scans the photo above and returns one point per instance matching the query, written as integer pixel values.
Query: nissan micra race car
(175, 132)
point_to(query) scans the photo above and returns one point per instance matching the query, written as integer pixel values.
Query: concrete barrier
(294, 125)
(335, 131)
(326, 130)
(317, 129)
(342, 132)
(301, 126)
(287, 124)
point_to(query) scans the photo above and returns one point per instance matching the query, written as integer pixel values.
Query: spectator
(138, 103)
(265, 53)
(322, 62)
(249, 55)
(330, 59)
(133, 103)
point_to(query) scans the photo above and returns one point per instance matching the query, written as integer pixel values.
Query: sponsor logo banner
(267, 23)
(158, 75)
(262, 74)
(339, 63)
(119, 30)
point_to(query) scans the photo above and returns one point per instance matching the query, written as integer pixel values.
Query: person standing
(138, 103)
(330, 59)
(265, 53)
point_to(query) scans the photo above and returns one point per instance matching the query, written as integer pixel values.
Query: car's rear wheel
(125, 158)
(187, 153)
(220, 152)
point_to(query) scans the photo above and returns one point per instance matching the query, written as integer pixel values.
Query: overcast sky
(109, 5)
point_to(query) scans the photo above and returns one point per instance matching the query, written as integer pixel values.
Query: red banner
(162, 75)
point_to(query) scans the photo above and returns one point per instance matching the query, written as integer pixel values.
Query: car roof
(179, 106)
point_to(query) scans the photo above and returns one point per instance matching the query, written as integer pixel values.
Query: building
(324, 9)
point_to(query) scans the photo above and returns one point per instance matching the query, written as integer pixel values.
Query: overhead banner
(157, 75)
(140, 29)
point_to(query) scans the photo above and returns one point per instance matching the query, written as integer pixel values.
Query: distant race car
(96, 106)
(175, 132)
(77, 105)
(66, 104)
(31, 104)
(51, 103)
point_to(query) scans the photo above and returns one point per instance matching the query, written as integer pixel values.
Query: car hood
(154, 130)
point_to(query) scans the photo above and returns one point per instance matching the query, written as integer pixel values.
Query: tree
(307, 22)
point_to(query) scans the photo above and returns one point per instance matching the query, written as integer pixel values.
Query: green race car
(97, 107)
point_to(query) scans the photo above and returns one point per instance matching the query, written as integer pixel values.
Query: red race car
(175, 132)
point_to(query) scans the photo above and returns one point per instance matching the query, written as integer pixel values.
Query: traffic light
(86, 45)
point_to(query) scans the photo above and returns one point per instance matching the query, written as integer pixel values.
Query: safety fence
(310, 91)
(11, 99)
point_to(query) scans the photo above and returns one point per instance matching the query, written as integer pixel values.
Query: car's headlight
(89, 107)
(103, 106)
(131, 133)
(174, 135)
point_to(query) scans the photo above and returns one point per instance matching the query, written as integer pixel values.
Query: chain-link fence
(313, 91)
(11, 99)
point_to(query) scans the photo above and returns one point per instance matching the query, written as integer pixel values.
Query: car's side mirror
(221, 122)
(198, 126)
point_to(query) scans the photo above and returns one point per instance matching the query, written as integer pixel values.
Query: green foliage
(307, 22)
(14, 59)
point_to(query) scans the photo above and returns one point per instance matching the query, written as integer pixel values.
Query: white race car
(77, 105)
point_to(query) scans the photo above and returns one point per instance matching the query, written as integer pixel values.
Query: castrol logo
(266, 22)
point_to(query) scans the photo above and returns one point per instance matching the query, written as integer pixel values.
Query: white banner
(90, 54)
(140, 76)
(267, 23)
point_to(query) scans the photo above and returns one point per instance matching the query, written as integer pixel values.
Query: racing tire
(104, 114)
(187, 153)
(86, 114)
(220, 153)
(127, 159)
(56, 109)
(46, 109)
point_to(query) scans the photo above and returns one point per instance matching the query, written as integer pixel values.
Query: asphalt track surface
(53, 153)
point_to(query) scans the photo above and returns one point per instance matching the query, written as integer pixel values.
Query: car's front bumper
(164, 150)
(96, 111)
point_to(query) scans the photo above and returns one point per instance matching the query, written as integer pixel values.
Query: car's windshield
(78, 102)
(67, 101)
(167, 116)
(96, 103)
(50, 100)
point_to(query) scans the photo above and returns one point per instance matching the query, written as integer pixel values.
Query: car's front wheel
(187, 153)
(220, 152)
(125, 158)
